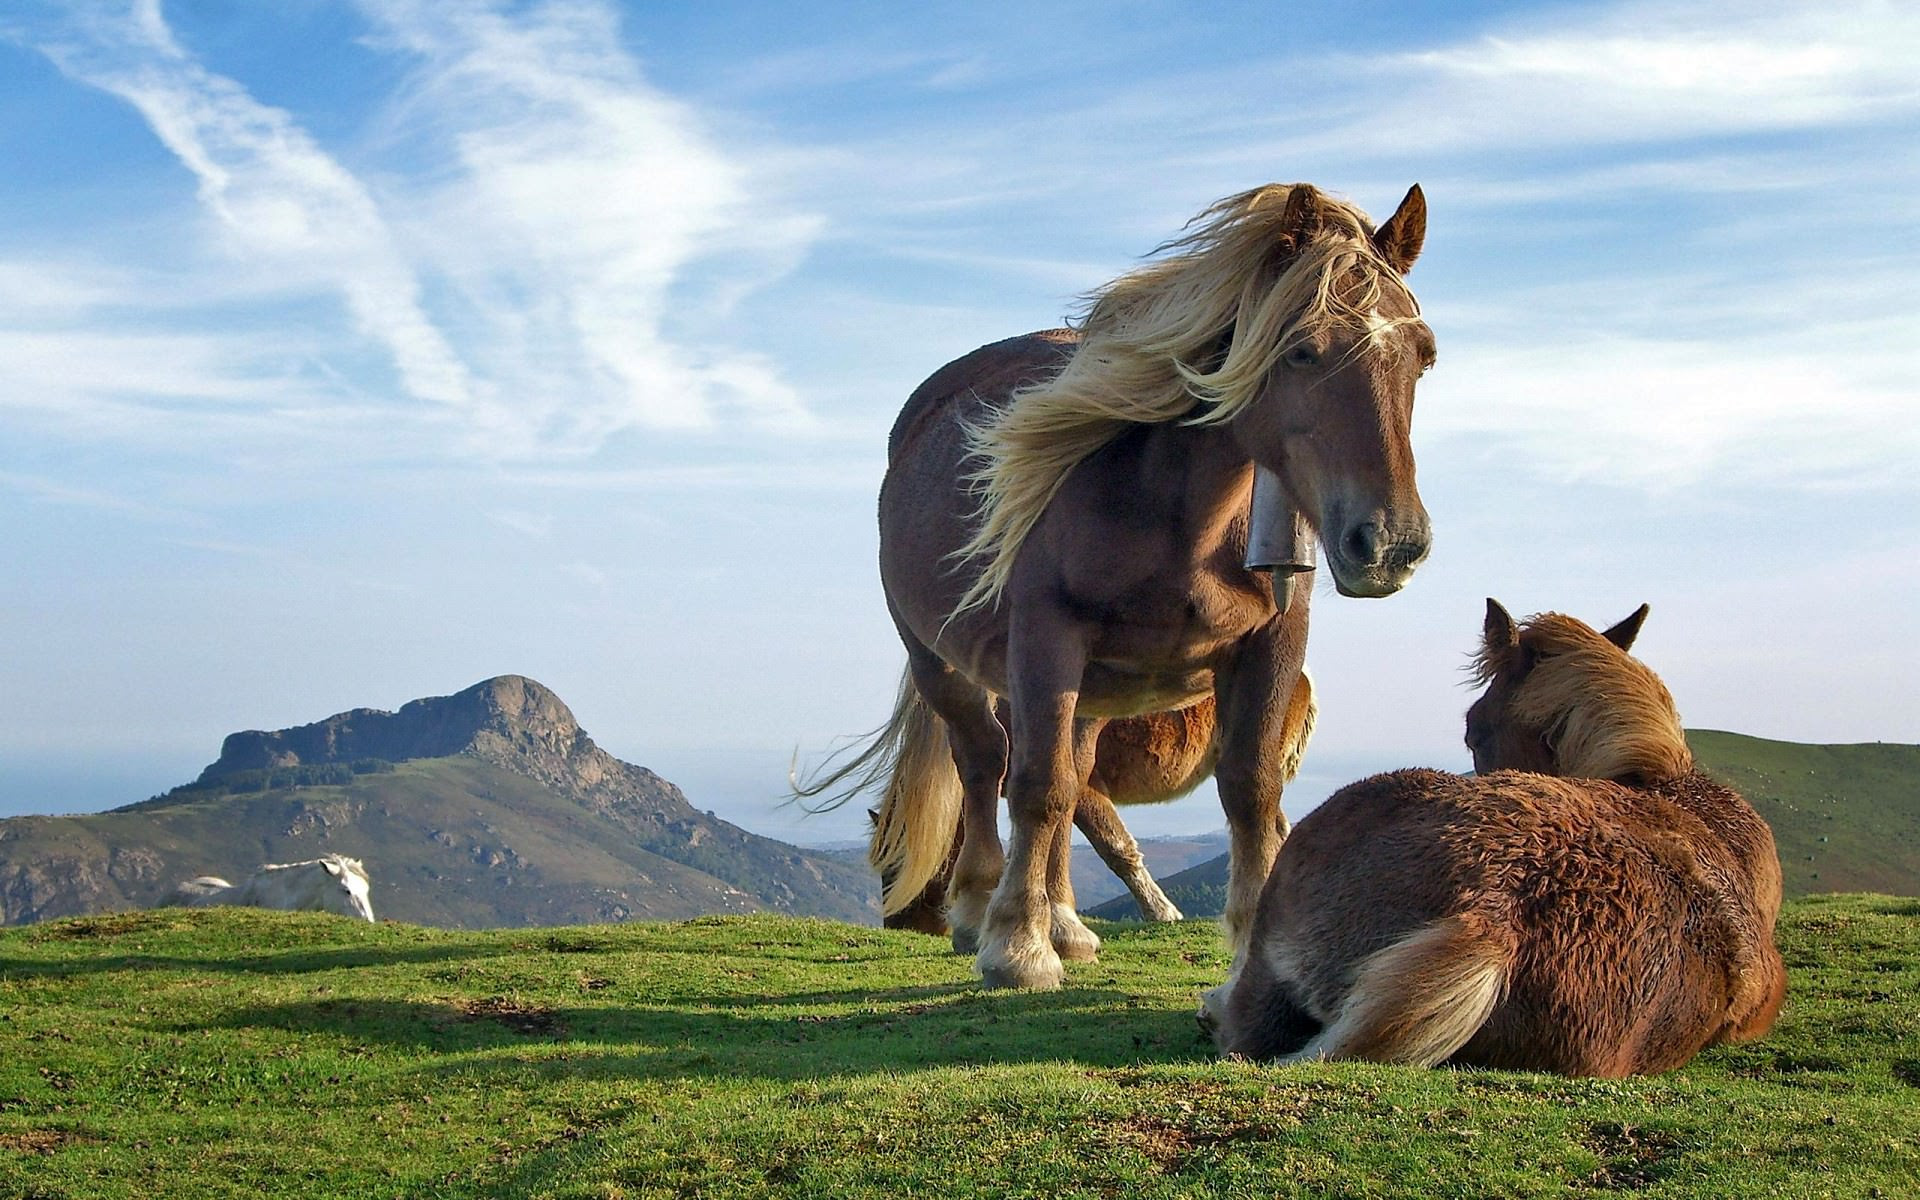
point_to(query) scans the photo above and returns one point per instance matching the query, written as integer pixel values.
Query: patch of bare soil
(40, 1141)
(1632, 1158)
(531, 1019)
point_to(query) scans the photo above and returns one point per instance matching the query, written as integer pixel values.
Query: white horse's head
(343, 889)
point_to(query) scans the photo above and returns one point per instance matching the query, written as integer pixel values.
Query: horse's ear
(1400, 239)
(1301, 217)
(333, 868)
(1500, 632)
(1622, 635)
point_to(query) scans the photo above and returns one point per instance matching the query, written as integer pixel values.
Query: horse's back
(197, 892)
(985, 377)
(927, 503)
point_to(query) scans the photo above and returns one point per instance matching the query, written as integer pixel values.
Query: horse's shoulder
(986, 376)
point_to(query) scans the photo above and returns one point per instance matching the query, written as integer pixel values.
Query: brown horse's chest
(1158, 645)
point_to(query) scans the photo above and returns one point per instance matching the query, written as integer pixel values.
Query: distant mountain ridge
(487, 807)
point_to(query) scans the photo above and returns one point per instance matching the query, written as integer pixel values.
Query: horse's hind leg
(1422, 998)
(1107, 834)
(977, 870)
(979, 748)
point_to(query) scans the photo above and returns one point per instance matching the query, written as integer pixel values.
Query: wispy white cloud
(542, 274)
(53, 491)
(850, 475)
(37, 291)
(571, 179)
(1645, 71)
(277, 196)
(538, 526)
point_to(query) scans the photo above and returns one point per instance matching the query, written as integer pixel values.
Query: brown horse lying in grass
(1588, 903)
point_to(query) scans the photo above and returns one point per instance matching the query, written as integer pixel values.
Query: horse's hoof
(966, 941)
(1165, 914)
(1208, 1023)
(1072, 940)
(1036, 972)
(1032, 981)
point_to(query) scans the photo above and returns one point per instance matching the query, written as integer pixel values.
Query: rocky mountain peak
(509, 717)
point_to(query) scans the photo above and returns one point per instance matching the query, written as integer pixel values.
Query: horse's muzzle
(1372, 558)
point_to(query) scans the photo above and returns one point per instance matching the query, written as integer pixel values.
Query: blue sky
(354, 352)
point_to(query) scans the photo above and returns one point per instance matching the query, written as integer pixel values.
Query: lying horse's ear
(1400, 239)
(333, 868)
(1622, 635)
(1500, 632)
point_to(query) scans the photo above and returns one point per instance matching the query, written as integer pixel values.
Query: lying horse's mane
(1605, 715)
(1151, 347)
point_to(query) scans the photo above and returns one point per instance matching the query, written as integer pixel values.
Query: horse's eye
(1302, 355)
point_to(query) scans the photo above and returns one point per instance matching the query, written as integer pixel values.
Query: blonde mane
(1605, 715)
(1150, 351)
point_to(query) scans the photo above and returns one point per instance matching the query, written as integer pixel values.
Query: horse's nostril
(1363, 543)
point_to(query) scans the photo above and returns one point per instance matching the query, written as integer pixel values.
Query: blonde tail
(919, 812)
(1421, 999)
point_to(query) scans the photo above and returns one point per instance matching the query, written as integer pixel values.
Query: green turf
(244, 1053)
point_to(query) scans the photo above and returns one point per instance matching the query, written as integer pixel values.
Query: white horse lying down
(331, 883)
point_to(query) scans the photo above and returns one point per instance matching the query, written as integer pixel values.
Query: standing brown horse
(1064, 523)
(1588, 904)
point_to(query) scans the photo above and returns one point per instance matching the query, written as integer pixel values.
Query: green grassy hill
(1845, 818)
(238, 1053)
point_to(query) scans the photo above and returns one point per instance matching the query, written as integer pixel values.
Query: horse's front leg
(1258, 731)
(1016, 949)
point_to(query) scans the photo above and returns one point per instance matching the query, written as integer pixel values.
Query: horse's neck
(289, 889)
(1202, 465)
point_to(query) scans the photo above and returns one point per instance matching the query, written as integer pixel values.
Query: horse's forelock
(1488, 663)
(1150, 342)
(1607, 716)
